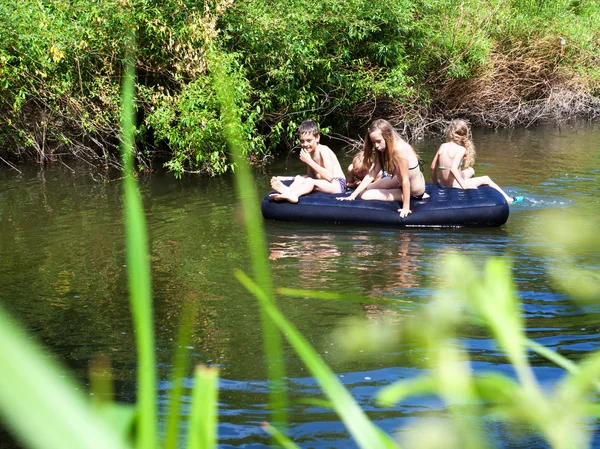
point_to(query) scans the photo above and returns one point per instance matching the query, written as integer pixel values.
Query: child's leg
(468, 173)
(277, 185)
(325, 186)
(280, 187)
(486, 180)
(386, 189)
(300, 186)
(382, 194)
(384, 183)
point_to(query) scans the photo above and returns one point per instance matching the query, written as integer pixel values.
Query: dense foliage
(342, 62)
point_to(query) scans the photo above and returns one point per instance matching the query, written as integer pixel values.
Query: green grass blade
(332, 296)
(279, 437)
(586, 377)
(121, 418)
(101, 382)
(398, 391)
(366, 434)
(498, 305)
(202, 432)
(552, 356)
(43, 410)
(249, 202)
(179, 368)
(138, 270)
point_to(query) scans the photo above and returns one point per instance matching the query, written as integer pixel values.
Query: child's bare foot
(278, 186)
(286, 196)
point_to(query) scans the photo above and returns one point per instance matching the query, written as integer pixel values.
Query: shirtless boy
(324, 174)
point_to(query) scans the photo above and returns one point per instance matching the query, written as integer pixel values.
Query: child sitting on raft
(357, 170)
(324, 173)
(449, 159)
(399, 159)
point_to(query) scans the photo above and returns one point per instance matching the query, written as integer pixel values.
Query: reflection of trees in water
(378, 313)
(387, 265)
(63, 250)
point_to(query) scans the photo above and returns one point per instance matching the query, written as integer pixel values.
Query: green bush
(189, 122)
(307, 59)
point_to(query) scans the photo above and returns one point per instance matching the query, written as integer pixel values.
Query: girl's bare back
(447, 154)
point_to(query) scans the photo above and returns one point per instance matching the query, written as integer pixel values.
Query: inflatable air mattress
(446, 207)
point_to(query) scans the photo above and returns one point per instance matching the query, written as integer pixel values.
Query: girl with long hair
(384, 149)
(454, 160)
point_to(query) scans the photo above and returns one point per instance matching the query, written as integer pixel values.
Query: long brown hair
(459, 133)
(390, 159)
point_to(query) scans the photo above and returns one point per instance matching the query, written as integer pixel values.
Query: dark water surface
(62, 274)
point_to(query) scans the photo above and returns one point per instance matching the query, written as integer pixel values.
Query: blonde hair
(390, 159)
(360, 165)
(458, 132)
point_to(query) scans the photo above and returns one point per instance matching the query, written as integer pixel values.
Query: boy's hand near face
(305, 156)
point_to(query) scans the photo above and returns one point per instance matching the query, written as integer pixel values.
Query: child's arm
(375, 168)
(403, 175)
(455, 170)
(433, 167)
(324, 172)
(350, 182)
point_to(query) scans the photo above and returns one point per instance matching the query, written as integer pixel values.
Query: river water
(62, 274)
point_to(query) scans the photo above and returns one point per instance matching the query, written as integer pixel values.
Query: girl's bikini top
(448, 168)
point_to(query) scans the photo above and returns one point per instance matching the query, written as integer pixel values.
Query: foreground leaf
(45, 411)
(366, 434)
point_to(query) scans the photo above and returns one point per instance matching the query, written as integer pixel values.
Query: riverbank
(342, 64)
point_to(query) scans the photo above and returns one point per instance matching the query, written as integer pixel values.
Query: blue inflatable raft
(446, 207)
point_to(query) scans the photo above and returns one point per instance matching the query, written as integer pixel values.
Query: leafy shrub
(339, 62)
(189, 121)
(309, 59)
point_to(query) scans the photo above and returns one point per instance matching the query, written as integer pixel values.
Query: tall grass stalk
(248, 199)
(138, 270)
(366, 434)
(179, 370)
(202, 431)
(282, 440)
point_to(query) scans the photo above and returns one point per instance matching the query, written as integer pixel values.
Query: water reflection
(378, 265)
(315, 255)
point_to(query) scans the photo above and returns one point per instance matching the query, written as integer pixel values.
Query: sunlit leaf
(44, 408)
(392, 394)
